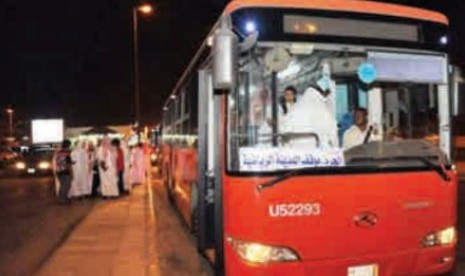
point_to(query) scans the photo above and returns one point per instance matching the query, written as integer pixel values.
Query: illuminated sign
(401, 67)
(343, 27)
(270, 159)
(47, 131)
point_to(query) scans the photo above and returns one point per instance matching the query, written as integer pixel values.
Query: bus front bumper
(428, 261)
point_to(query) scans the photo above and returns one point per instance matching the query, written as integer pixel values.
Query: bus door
(209, 168)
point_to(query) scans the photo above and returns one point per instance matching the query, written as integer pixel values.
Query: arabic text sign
(270, 159)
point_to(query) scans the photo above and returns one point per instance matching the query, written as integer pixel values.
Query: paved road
(32, 224)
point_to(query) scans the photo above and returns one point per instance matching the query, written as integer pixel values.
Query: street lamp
(10, 112)
(145, 9)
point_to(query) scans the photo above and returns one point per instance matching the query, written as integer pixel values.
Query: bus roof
(344, 5)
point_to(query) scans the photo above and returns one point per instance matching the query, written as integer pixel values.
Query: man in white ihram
(314, 113)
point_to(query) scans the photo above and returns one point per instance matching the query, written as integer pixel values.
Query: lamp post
(10, 112)
(144, 9)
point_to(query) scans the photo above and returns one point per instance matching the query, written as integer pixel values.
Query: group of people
(108, 170)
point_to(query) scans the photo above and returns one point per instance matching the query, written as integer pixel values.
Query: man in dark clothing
(95, 171)
(119, 165)
(64, 171)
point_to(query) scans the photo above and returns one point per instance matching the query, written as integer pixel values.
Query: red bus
(314, 138)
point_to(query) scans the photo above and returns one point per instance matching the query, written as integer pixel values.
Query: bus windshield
(308, 106)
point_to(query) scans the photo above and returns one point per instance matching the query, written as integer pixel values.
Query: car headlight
(20, 165)
(444, 237)
(44, 165)
(260, 253)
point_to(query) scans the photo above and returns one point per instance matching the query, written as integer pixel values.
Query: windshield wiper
(439, 169)
(282, 178)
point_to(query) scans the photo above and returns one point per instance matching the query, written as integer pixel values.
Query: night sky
(73, 58)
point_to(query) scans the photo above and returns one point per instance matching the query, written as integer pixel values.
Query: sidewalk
(137, 235)
(113, 240)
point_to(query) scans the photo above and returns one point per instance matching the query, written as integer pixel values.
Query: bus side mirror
(225, 44)
(458, 85)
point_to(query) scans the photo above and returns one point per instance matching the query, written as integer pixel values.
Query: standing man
(95, 185)
(120, 164)
(127, 165)
(80, 184)
(63, 165)
(107, 169)
(138, 168)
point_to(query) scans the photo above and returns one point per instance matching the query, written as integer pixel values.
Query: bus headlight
(20, 165)
(44, 165)
(444, 237)
(261, 253)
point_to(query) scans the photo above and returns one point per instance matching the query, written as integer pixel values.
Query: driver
(360, 132)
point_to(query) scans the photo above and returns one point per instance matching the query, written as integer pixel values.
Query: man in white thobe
(138, 168)
(107, 168)
(127, 165)
(80, 183)
(90, 164)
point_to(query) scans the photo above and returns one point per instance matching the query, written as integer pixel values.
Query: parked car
(36, 160)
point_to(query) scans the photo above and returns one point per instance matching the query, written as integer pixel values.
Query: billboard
(47, 131)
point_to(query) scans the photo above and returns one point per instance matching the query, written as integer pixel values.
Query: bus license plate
(31, 171)
(363, 270)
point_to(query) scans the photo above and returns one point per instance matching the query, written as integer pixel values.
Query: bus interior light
(301, 48)
(260, 253)
(291, 70)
